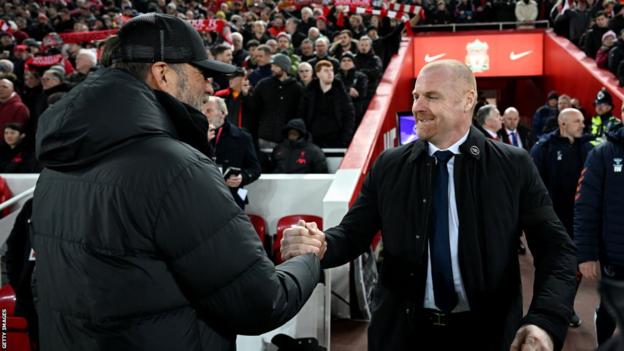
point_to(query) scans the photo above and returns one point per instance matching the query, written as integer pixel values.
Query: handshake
(301, 239)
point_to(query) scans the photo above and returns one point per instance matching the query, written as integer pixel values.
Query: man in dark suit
(450, 205)
(513, 132)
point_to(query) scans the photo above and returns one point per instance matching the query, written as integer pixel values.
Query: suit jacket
(523, 132)
(498, 191)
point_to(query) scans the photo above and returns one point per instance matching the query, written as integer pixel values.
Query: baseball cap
(156, 37)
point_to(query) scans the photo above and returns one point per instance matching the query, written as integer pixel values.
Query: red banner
(83, 37)
(364, 3)
(44, 61)
(487, 55)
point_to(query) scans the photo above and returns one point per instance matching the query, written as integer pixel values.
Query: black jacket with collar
(524, 134)
(498, 191)
(139, 244)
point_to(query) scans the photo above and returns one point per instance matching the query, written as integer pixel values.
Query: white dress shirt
(462, 301)
(509, 131)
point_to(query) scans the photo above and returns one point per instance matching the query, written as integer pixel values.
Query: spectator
(304, 74)
(602, 56)
(314, 34)
(250, 61)
(297, 153)
(440, 15)
(592, 39)
(14, 157)
(604, 118)
(544, 114)
(323, 27)
(307, 21)
(489, 121)
(239, 54)
(526, 13)
(615, 57)
(262, 56)
(7, 44)
(85, 64)
(296, 37)
(41, 27)
(616, 23)
(551, 122)
(222, 53)
(464, 11)
(598, 220)
(356, 84)
(559, 157)
(12, 109)
(53, 81)
(321, 46)
(356, 25)
(344, 43)
(238, 102)
(513, 132)
(577, 19)
(327, 110)
(234, 149)
(275, 101)
(184, 220)
(259, 32)
(370, 64)
(285, 47)
(306, 50)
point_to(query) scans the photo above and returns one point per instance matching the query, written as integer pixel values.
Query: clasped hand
(301, 239)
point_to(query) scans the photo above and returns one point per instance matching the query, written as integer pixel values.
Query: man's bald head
(460, 72)
(571, 123)
(568, 113)
(511, 118)
(6, 89)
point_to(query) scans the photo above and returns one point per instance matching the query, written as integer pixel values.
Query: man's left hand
(532, 338)
(234, 181)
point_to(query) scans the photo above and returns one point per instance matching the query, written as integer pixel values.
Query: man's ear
(157, 76)
(469, 100)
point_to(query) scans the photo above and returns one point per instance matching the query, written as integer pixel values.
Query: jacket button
(407, 311)
(411, 274)
(424, 200)
(417, 236)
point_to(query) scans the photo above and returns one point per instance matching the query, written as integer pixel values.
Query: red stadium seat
(286, 222)
(259, 225)
(17, 327)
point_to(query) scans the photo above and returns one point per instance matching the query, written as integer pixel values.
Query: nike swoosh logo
(433, 58)
(513, 56)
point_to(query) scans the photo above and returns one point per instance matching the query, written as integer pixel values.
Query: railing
(455, 27)
(15, 199)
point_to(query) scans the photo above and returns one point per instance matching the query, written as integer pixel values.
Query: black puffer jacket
(598, 221)
(139, 244)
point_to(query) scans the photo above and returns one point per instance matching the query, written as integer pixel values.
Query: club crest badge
(617, 165)
(477, 58)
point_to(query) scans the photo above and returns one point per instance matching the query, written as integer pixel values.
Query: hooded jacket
(13, 111)
(300, 156)
(139, 243)
(598, 221)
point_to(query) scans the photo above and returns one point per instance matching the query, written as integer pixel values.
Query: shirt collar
(453, 148)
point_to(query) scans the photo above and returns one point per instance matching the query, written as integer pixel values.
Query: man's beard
(186, 95)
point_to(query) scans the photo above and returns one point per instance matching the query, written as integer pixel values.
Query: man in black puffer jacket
(297, 153)
(139, 243)
(598, 221)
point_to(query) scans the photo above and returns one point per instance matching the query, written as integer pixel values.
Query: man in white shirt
(513, 132)
(489, 119)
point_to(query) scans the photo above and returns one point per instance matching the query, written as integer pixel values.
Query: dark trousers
(605, 323)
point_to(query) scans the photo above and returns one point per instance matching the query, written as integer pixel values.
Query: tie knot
(443, 156)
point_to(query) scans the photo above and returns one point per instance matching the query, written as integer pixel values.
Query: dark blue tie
(514, 139)
(441, 268)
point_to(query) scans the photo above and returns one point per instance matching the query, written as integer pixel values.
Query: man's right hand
(590, 269)
(301, 239)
